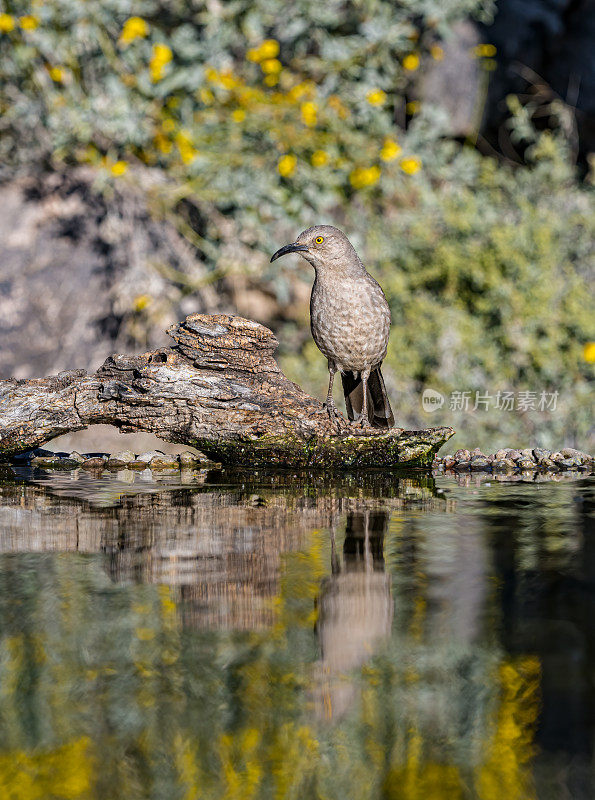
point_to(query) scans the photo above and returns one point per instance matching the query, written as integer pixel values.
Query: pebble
(514, 454)
(462, 455)
(479, 463)
(93, 463)
(163, 462)
(539, 454)
(461, 466)
(500, 455)
(525, 464)
(188, 459)
(149, 456)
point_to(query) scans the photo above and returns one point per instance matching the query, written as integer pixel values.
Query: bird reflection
(355, 610)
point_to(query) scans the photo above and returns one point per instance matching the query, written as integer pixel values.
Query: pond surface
(296, 636)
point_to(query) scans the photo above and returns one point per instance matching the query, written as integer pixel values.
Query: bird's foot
(334, 415)
(362, 426)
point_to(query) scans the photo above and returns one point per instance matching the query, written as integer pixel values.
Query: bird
(350, 323)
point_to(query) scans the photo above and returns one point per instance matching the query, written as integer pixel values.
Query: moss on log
(217, 388)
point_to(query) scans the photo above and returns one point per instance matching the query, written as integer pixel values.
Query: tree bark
(219, 389)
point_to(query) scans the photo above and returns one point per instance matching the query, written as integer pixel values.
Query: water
(296, 636)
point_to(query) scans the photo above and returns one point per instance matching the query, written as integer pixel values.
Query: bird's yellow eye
(319, 239)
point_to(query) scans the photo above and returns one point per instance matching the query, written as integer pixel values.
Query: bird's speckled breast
(350, 321)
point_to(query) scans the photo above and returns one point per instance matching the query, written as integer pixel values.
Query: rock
(504, 465)
(147, 457)
(164, 462)
(527, 453)
(490, 458)
(500, 455)
(76, 457)
(463, 466)
(526, 464)
(539, 454)
(449, 462)
(548, 465)
(93, 463)
(479, 463)
(567, 463)
(125, 456)
(462, 455)
(188, 459)
(556, 456)
(570, 452)
(437, 464)
(29, 455)
(514, 454)
(478, 452)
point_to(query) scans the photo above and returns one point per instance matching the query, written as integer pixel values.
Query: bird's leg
(329, 403)
(363, 421)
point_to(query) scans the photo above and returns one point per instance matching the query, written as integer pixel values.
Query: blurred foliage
(259, 118)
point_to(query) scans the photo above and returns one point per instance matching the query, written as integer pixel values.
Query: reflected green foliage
(383, 672)
(245, 122)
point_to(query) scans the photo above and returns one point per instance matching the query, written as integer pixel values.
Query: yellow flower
(271, 65)
(589, 352)
(118, 168)
(411, 62)
(390, 150)
(361, 177)
(436, 52)
(163, 144)
(228, 80)
(168, 125)
(56, 74)
(376, 98)
(29, 22)
(485, 50)
(309, 112)
(134, 28)
(411, 165)
(141, 301)
(206, 95)
(186, 147)
(239, 115)
(162, 55)
(6, 23)
(271, 80)
(268, 49)
(412, 107)
(319, 158)
(286, 165)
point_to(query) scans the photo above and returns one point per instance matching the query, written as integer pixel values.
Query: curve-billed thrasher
(350, 321)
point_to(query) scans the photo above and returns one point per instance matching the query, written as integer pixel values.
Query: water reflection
(295, 636)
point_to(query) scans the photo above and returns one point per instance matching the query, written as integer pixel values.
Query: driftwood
(219, 389)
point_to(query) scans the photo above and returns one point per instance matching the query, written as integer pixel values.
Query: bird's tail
(380, 414)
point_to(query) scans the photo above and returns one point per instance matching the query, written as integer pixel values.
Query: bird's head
(323, 246)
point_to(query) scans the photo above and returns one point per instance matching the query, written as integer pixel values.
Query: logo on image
(431, 400)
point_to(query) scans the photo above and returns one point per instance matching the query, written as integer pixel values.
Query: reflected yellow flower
(118, 168)
(411, 62)
(228, 80)
(211, 74)
(411, 165)
(319, 158)
(286, 165)
(361, 177)
(485, 51)
(162, 55)
(29, 22)
(309, 112)
(390, 150)
(6, 23)
(168, 125)
(56, 74)
(589, 352)
(134, 28)
(239, 115)
(436, 52)
(376, 98)
(163, 144)
(412, 107)
(271, 80)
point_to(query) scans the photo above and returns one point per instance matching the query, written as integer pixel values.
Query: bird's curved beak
(294, 247)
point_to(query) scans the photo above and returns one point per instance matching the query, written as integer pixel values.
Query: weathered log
(219, 389)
